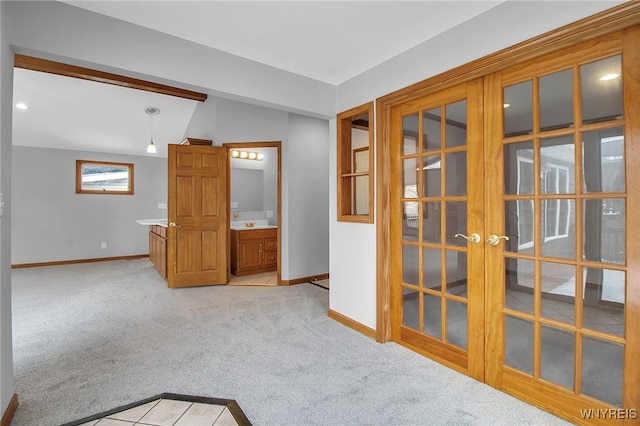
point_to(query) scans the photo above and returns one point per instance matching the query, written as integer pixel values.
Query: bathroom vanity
(254, 250)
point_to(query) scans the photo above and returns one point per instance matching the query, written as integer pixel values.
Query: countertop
(159, 222)
(235, 225)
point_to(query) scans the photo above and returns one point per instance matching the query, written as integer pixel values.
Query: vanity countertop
(245, 225)
(159, 222)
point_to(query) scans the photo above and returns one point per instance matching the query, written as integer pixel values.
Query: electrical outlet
(103, 245)
(162, 206)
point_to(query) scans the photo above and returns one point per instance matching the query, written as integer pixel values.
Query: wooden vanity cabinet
(254, 251)
(158, 248)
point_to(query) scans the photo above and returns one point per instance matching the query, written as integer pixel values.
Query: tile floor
(261, 279)
(168, 412)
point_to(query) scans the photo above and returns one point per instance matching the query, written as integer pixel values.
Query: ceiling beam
(59, 68)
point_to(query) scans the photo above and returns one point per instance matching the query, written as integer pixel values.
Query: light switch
(234, 204)
(162, 206)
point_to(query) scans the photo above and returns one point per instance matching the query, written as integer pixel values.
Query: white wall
(50, 222)
(305, 163)
(84, 38)
(352, 245)
(7, 387)
(307, 195)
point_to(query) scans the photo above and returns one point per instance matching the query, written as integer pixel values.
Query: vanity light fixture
(151, 148)
(247, 155)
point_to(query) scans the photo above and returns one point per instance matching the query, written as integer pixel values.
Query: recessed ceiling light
(506, 105)
(611, 76)
(22, 105)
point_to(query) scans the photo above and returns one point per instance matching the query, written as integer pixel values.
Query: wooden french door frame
(621, 18)
(248, 145)
(469, 358)
(533, 387)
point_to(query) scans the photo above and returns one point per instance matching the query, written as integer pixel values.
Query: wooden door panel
(210, 197)
(210, 242)
(184, 160)
(197, 208)
(185, 256)
(184, 201)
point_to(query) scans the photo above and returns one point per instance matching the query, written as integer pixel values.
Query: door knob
(494, 239)
(174, 225)
(473, 238)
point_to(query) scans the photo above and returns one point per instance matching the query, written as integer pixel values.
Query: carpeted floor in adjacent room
(91, 337)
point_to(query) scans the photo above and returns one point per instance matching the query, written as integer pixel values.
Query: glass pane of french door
(559, 215)
(433, 213)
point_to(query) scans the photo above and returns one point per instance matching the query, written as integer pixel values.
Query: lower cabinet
(253, 251)
(158, 248)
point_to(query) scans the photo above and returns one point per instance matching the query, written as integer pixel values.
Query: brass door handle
(173, 225)
(473, 238)
(494, 239)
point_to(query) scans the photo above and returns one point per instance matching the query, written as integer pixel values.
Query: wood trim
(10, 411)
(196, 141)
(344, 164)
(265, 144)
(615, 19)
(631, 94)
(355, 325)
(129, 166)
(66, 70)
(74, 261)
(231, 404)
(304, 279)
(383, 215)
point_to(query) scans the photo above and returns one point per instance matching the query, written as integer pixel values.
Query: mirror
(254, 185)
(247, 189)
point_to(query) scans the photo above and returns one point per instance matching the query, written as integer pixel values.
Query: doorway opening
(255, 204)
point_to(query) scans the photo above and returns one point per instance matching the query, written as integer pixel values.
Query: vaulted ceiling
(329, 41)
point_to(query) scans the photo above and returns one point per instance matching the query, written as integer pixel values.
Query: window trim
(345, 167)
(81, 163)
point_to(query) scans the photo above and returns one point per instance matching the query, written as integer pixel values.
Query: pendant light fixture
(151, 148)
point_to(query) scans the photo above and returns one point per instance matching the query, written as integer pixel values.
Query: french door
(438, 306)
(515, 216)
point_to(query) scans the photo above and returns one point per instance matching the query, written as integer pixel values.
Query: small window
(355, 164)
(100, 177)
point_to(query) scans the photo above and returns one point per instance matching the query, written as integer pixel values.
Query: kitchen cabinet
(158, 248)
(254, 251)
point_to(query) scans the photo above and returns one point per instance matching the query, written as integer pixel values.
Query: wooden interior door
(197, 214)
(545, 302)
(437, 216)
(563, 283)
